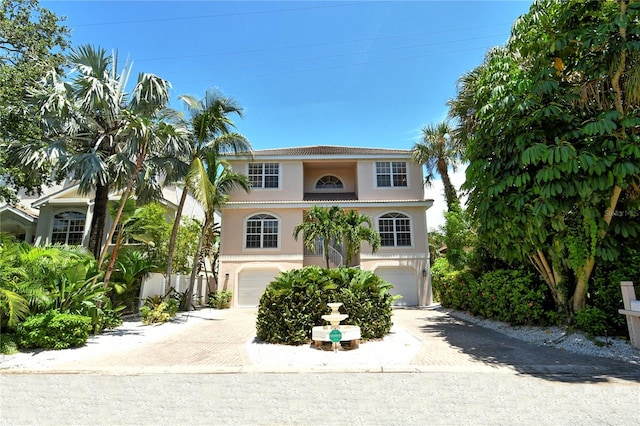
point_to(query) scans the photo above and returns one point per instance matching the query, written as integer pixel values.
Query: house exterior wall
(298, 175)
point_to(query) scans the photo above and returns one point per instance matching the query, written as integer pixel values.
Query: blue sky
(362, 73)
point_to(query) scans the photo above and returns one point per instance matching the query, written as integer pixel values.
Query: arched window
(395, 230)
(68, 228)
(261, 231)
(329, 182)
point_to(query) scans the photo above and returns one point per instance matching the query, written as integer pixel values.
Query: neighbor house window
(264, 175)
(329, 182)
(391, 174)
(68, 228)
(395, 230)
(262, 231)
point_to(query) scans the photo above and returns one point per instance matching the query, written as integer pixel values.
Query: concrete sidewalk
(210, 341)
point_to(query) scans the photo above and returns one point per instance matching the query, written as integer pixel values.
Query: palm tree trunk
(450, 193)
(125, 195)
(99, 218)
(186, 304)
(174, 237)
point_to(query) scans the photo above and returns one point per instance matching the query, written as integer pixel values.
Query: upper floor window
(264, 175)
(391, 174)
(329, 182)
(262, 231)
(395, 230)
(68, 228)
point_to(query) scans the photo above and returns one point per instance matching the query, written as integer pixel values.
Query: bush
(452, 287)
(296, 300)
(8, 343)
(508, 295)
(157, 310)
(592, 320)
(53, 330)
(220, 299)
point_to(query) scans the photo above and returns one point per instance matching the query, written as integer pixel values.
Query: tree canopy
(32, 41)
(551, 122)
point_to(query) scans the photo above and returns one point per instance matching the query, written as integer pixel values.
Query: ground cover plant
(296, 300)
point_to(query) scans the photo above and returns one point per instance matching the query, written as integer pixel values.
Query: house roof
(16, 210)
(323, 151)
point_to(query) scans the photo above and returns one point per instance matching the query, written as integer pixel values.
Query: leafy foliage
(550, 122)
(32, 41)
(296, 300)
(157, 310)
(54, 330)
(220, 299)
(512, 296)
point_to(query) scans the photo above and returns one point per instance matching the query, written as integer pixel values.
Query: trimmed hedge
(296, 300)
(509, 295)
(53, 330)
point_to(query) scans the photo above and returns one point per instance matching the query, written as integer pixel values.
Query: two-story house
(387, 185)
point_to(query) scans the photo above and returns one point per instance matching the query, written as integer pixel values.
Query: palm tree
(320, 223)
(211, 180)
(354, 233)
(439, 150)
(81, 120)
(210, 127)
(151, 131)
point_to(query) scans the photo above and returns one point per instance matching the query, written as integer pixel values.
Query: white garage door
(404, 282)
(252, 283)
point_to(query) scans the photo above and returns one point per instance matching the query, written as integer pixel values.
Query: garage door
(252, 283)
(404, 282)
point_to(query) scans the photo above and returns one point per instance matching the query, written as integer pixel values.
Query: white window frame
(329, 189)
(262, 234)
(263, 175)
(67, 227)
(399, 215)
(391, 174)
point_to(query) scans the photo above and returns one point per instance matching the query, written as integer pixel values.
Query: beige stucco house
(257, 240)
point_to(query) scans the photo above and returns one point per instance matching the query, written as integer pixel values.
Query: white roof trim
(343, 204)
(24, 215)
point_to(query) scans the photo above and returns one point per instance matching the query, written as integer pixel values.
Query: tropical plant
(554, 154)
(211, 182)
(439, 150)
(220, 299)
(354, 233)
(296, 300)
(158, 310)
(210, 135)
(323, 224)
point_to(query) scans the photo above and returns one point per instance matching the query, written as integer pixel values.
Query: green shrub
(8, 343)
(452, 288)
(53, 330)
(220, 299)
(157, 310)
(509, 295)
(592, 320)
(296, 300)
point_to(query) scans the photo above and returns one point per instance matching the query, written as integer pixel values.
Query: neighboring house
(61, 215)
(387, 185)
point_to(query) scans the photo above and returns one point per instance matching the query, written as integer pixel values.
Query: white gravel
(560, 338)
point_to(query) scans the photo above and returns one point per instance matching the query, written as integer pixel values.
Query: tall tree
(555, 149)
(150, 131)
(80, 123)
(439, 151)
(211, 133)
(32, 41)
(211, 180)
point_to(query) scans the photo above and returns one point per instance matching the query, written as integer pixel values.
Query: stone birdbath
(334, 332)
